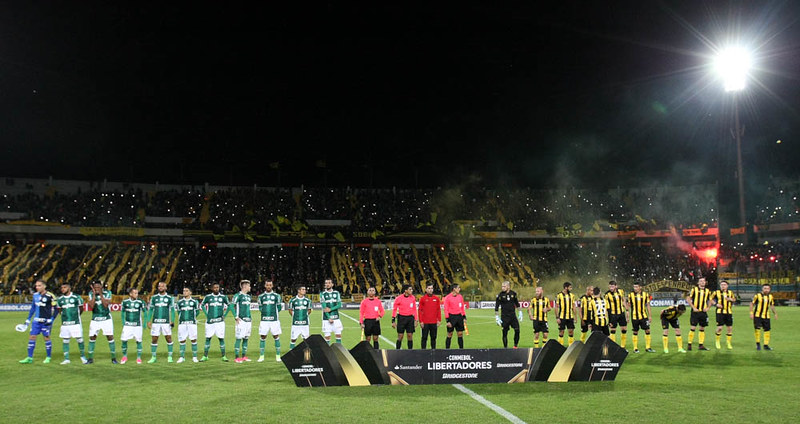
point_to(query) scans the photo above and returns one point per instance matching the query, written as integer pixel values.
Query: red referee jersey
(370, 309)
(430, 309)
(405, 305)
(454, 305)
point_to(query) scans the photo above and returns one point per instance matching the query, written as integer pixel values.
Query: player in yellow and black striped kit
(537, 312)
(724, 299)
(699, 299)
(597, 307)
(669, 318)
(615, 303)
(639, 307)
(759, 313)
(565, 313)
(585, 312)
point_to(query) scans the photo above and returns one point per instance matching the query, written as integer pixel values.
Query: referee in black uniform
(507, 303)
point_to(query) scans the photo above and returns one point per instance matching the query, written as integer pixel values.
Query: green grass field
(742, 385)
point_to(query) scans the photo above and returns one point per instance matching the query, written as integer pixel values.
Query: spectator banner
(14, 307)
(112, 231)
(314, 363)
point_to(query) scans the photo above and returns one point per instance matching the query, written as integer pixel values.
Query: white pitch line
(502, 412)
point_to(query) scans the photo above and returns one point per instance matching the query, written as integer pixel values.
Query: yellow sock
(613, 337)
(622, 339)
(544, 341)
(679, 339)
(571, 340)
(691, 337)
(583, 337)
(647, 339)
(758, 336)
(536, 343)
(701, 337)
(766, 338)
(561, 340)
(729, 337)
(635, 339)
(665, 339)
(717, 337)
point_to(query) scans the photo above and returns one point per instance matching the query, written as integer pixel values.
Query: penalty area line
(480, 399)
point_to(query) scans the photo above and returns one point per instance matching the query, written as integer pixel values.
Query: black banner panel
(313, 363)
(599, 360)
(462, 366)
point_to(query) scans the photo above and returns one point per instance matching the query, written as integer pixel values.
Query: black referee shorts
(457, 322)
(699, 318)
(405, 324)
(372, 327)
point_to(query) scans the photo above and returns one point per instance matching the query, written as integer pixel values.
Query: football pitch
(742, 385)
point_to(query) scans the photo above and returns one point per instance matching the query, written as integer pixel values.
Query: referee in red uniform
(455, 311)
(404, 316)
(430, 314)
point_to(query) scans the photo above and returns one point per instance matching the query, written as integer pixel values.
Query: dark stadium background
(579, 94)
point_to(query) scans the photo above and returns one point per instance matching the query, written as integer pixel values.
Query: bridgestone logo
(463, 375)
(517, 365)
(460, 365)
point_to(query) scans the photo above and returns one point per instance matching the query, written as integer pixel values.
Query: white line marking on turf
(502, 412)
(505, 414)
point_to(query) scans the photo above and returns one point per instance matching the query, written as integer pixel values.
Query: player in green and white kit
(214, 305)
(162, 312)
(188, 310)
(331, 303)
(240, 306)
(133, 310)
(299, 309)
(269, 303)
(71, 327)
(99, 301)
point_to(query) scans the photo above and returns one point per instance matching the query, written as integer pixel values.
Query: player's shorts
(405, 324)
(725, 319)
(457, 322)
(585, 324)
(40, 328)
(74, 331)
(699, 318)
(509, 321)
(300, 330)
(637, 324)
(540, 327)
(243, 329)
(566, 323)
(107, 327)
(266, 327)
(131, 332)
(615, 320)
(159, 329)
(372, 327)
(187, 331)
(666, 323)
(761, 323)
(334, 327)
(215, 329)
(601, 329)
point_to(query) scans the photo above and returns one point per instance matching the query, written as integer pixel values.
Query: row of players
(605, 312)
(599, 313)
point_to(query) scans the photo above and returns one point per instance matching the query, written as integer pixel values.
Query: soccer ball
(21, 328)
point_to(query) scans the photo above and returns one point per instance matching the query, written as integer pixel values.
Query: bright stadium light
(732, 65)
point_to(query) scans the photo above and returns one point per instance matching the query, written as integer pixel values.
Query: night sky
(584, 94)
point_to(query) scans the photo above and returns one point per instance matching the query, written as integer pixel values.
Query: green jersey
(333, 300)
(188, 310)
(100, 312)
(132, 310)
(70, 305)
(214, 306)
(300, 307)
(241, 306)
(162, 308)
(269, 304)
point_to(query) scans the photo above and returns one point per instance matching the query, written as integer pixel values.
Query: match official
(430, 315)
(370, 313)
(405, 317)
(455, 312)
(507, 303)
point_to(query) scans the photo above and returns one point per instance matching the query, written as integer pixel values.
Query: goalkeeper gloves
(497, 320)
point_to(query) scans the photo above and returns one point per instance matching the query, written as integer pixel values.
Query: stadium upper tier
(257, 209)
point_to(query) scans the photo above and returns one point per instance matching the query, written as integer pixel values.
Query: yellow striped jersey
(700, 297)
(586, 311)
(761, 304)
(638, 304)
(566, 304)
(615, 301)
(724, 302)
(599, 312)
(670, 313)
(538, 308)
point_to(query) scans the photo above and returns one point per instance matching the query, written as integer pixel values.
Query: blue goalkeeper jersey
(42, 307)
